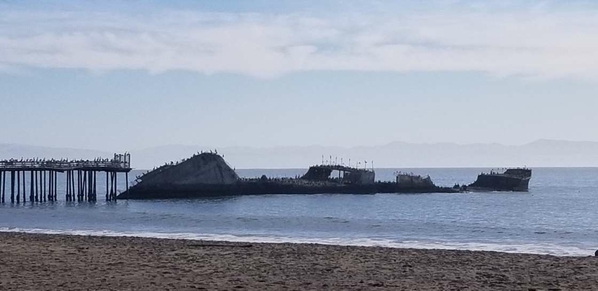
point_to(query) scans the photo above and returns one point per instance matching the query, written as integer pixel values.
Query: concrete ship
(409, 182)
(208, 174)
(513, 179)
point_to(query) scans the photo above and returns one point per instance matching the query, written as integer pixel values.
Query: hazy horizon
(540, 153)
(216, 147)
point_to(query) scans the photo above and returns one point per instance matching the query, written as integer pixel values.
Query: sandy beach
(60, 262)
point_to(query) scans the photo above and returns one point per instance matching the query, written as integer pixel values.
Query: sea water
(559, 215)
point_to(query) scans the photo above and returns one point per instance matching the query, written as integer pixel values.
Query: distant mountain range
(540, 153)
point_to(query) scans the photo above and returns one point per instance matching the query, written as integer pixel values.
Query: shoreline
(522, 248)
(63, 262)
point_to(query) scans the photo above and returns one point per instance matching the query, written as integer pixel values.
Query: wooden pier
(42, 183)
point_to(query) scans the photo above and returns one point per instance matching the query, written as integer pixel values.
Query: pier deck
(39, 178)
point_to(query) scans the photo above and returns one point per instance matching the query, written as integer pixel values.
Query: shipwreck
(513, 179)
(208, 174)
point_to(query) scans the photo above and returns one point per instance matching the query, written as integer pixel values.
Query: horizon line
(304, 146)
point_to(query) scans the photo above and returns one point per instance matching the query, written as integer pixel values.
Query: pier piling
(72, 186)
(18, 186)
(45, 186)
(107, 188)
(12, 186)
(50, 186)
(3, 185)
(31, 183)
(36, 184)
(24, 188)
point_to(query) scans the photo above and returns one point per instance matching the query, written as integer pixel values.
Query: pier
(36, 180)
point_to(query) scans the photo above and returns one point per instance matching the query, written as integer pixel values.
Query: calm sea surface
(558, 216)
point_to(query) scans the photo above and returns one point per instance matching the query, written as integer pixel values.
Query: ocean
(558, 216)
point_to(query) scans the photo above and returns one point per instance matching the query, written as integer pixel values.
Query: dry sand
(59, 262)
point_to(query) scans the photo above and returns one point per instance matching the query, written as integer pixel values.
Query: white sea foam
(545, 249)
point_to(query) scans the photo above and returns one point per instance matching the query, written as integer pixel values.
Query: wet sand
(60, 262)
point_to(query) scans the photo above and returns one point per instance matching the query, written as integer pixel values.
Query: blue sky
(130, 74)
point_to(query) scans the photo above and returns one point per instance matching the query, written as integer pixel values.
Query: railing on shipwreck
(80, 175)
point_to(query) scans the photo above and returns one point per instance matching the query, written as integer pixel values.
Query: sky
(124, 75)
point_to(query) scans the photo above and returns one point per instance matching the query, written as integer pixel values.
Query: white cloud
(532, 43)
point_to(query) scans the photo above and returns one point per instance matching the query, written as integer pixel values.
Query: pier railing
(9, 165)
(120, 162)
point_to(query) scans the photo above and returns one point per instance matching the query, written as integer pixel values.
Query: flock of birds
(39, 162)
